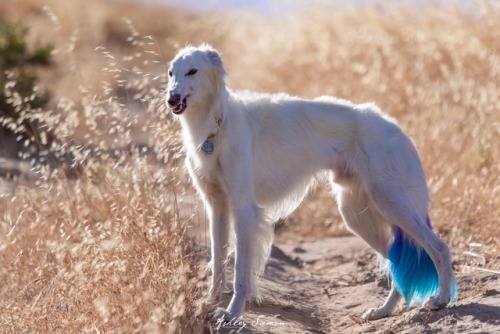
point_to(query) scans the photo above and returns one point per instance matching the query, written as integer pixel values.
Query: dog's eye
(169, 74)
(191, 72)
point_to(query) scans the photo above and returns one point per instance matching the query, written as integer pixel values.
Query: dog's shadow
(484, 313)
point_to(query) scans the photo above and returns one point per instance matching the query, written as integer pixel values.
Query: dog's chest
(203, 166)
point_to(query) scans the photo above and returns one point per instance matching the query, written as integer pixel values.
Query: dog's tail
(412, 270)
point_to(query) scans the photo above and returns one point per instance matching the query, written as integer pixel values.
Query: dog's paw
(375, 314)
(213, 299)
(219, 313)
(437, 302)
(222, 316)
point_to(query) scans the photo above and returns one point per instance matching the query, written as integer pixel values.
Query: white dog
(253, 158)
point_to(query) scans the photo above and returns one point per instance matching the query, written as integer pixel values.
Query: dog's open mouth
(180, 107)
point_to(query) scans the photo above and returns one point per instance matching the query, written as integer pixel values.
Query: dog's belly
(269, 191)
(281, 188)
(285, 166)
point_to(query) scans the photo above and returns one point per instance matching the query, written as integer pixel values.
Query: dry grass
(109, 251)
(105, 252)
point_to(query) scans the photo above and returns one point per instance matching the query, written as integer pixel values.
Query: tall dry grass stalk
(108, 250)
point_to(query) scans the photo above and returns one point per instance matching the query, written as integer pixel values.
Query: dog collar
(208, 145)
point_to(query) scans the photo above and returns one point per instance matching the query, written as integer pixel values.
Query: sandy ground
(324, 286)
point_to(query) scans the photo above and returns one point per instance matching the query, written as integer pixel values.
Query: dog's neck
(202, 122)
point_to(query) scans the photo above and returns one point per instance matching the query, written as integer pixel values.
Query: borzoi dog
(253, 157)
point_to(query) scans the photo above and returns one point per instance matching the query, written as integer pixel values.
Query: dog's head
(194, 75)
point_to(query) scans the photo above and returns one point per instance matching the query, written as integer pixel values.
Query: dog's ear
(215, 59)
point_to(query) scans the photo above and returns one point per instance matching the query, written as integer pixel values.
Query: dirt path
(324, 286)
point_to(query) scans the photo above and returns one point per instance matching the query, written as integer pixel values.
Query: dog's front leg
(219, 238)
(246, 223)
(246, 220)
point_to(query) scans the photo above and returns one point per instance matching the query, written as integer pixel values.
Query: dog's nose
(174, 100)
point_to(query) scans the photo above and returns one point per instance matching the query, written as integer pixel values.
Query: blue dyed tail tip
(412, 271)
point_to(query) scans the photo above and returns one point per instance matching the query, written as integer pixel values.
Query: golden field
(120, 247)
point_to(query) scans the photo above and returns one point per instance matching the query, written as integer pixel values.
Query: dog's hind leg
(419, 262)
(386, 309)
(362, 218)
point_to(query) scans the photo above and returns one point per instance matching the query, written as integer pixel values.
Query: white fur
(269, 150)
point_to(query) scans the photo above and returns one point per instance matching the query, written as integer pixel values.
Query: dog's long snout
(174, 100)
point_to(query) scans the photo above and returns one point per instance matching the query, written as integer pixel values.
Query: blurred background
(86, 141)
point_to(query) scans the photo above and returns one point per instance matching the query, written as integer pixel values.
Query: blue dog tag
(207, 147)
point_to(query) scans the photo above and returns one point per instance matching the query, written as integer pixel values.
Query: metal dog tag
(207, 147)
